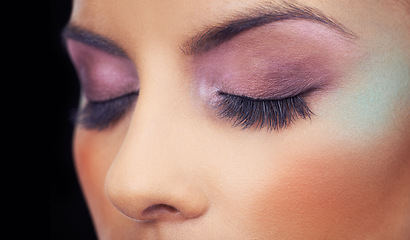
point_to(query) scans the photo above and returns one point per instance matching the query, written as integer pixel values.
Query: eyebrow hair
(215, 35)
(92, 39)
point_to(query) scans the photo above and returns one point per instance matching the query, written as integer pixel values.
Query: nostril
(160, 207)
(161, 211)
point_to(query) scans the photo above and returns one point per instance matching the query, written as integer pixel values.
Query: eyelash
(101, 114)
(274, 114)
(243, 111)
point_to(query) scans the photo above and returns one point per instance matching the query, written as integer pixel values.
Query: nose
(154, 176)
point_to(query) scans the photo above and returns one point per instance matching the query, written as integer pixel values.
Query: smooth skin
(172, 169)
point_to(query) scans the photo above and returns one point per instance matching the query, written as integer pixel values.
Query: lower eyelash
(99, 115)
(274, 114)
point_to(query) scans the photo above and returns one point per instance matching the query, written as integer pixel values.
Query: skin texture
(172, 169)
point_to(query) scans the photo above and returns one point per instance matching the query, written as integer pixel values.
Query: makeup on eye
(274, 114)
(266, 71)
(109, 82)
(267, 77)
(101, 114)
(275, 61)
(103, 76)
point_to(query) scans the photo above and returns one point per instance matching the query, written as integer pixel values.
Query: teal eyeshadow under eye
(375, 103)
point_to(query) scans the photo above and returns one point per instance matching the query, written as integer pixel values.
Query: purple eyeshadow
(275, 61)
(103, 76)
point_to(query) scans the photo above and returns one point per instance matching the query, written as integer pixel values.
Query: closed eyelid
(102, 75)
(259, 113)
(277, 61)
(101, 114)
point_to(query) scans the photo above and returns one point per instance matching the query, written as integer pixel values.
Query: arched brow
(92, 39)
(213, 36)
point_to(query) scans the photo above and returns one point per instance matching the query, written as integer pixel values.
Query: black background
(69, 215)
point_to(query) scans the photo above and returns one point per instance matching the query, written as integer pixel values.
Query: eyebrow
(216, 35)
(92, 39)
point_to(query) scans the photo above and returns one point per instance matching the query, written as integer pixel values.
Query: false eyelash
(101, 114)
(275, 114)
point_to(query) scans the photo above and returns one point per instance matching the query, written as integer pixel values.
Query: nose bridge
(158, 129)
(151, 177)
(156, 121)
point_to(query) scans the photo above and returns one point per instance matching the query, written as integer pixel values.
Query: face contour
(244, 119)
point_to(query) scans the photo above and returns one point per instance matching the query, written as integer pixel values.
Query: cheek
(91, 159)
(92, 162)
(324, 188)
(312, 196)
(93, 154)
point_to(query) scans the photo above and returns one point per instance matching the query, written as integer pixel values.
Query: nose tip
(156, 200)
(149, 208)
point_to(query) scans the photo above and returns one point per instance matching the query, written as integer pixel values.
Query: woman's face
(244, 119)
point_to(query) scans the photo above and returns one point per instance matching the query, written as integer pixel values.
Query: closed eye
(275, 114)
(101, 114)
